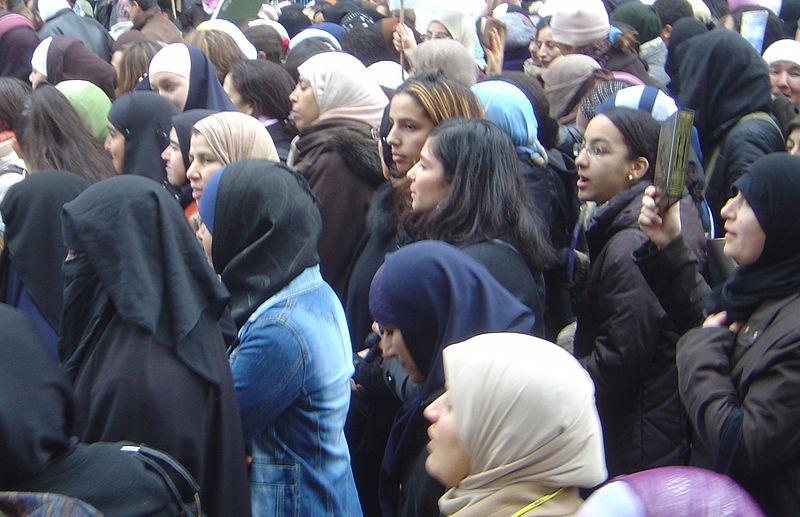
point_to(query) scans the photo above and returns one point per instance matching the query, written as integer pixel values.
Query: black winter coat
(88, 30)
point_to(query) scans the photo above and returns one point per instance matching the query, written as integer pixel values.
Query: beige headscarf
(448, 57)
(526, 418)
(234, 136)
(564, 78)
(343, 88)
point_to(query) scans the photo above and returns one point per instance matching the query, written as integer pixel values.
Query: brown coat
(155, 26)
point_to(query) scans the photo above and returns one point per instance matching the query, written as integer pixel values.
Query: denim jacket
(291, 371)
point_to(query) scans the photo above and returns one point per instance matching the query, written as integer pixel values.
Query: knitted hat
(783, 50)
(579, 22)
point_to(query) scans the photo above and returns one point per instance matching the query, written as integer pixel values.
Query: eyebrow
(600, 140)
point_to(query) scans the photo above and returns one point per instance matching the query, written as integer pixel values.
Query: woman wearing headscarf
(740, 372)
(58, 58)
(567, 80)
(429, 295)
(671, 492)
(726, 82)
(138, 131)
(223, 138)
(683, 30)
(140, 341)
(185, 76)
(291, 364)
(335, 106)
(40, 453)
(484, 445)
(783, 60)
(30, 266)
(18, 39)
(91, 103)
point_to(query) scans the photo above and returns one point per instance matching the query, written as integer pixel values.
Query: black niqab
(144, 118)
(32, 214)
(682, 31)
(266, 228)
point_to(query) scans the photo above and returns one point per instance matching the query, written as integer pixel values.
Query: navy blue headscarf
(436, 295)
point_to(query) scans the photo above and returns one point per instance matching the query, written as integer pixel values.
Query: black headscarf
(144, 119)
(772, 189)
(265, 225)
(142, 256)
(32, 214)
(36, 405)
(205, 91)
(722, 78)
(183, 123)
(682, 31)
(69, 58)
(436, 295)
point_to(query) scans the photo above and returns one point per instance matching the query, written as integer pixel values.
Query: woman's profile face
(115, 145)
(447, 462)
(603, 167)
(392, 344)
(546, 48)
(744, 237)
(173, 161)
(236, 98)
(172, 87)
(428, 184)
(410, 128)
(793, 142)
(205, 163)
(304, 105)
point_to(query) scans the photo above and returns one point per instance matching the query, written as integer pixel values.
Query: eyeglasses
(435, 35)
(592, 152)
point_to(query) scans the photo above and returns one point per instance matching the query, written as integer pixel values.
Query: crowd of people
(354, 258)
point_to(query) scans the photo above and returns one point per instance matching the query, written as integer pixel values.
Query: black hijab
(436, 295)
(682, 31)
(205, 91)
(141, 256)
(722, 78)
(32, 214)
(183, 123)
(69, 58)
(144, 118)
(772, 189)
(265, 225)
(36, 405)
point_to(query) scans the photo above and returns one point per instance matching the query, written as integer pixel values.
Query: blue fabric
(17, 296)
(207, 206)
(205, 91)
(509, 108)
(334, 29)
(291, 372)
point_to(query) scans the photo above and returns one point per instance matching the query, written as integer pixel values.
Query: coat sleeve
(627, 338)
(770, 409)
(268, 369)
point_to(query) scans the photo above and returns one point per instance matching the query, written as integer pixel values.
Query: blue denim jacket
(291, 371)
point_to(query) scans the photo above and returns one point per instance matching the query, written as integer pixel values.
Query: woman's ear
(639, 167)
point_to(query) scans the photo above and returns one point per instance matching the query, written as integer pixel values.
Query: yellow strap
(538, 502)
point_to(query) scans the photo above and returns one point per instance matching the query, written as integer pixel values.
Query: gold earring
(630, 178)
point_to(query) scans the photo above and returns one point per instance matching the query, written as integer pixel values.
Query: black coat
(88, 30)
(626, 341)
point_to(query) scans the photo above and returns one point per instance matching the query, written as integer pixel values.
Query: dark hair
(670, 11)
(543, 23)
(487, 198)
(13, 93)
(146, 4)
(534, 91)
(302, 52)
(52, 135)
(772, 32)
(293, 19)
(134, 63)
(267, 40)
(440, 97)
(267, 86)
(219, 47)
(366, 44)
(639, 132)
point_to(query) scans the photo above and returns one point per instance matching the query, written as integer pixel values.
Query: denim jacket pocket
(274, 489)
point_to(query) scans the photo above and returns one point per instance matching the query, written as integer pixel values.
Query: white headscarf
(783, 50)
(48, 8)
(343, 88)
(39, 57)
(526, 417)
(173, 58)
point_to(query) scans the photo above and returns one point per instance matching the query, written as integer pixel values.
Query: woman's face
(236, 98)
(744, 238)
(171, 86)
(115, 145)
(784, 76)
(447, 462)
(393, 345)
(603, 167)
(437, 30)
(304, 106)
(173, 160)
(36, 77)
(793, 142)
(205, 163)
(204, 236)
(547, 50)
(428, 184)
(410, 128)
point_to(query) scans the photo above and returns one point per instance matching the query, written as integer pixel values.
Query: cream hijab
(343, 88)
(234, 136)
(526, 418)
(564, 78)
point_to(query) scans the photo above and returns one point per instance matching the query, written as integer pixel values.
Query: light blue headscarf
(509, 108)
